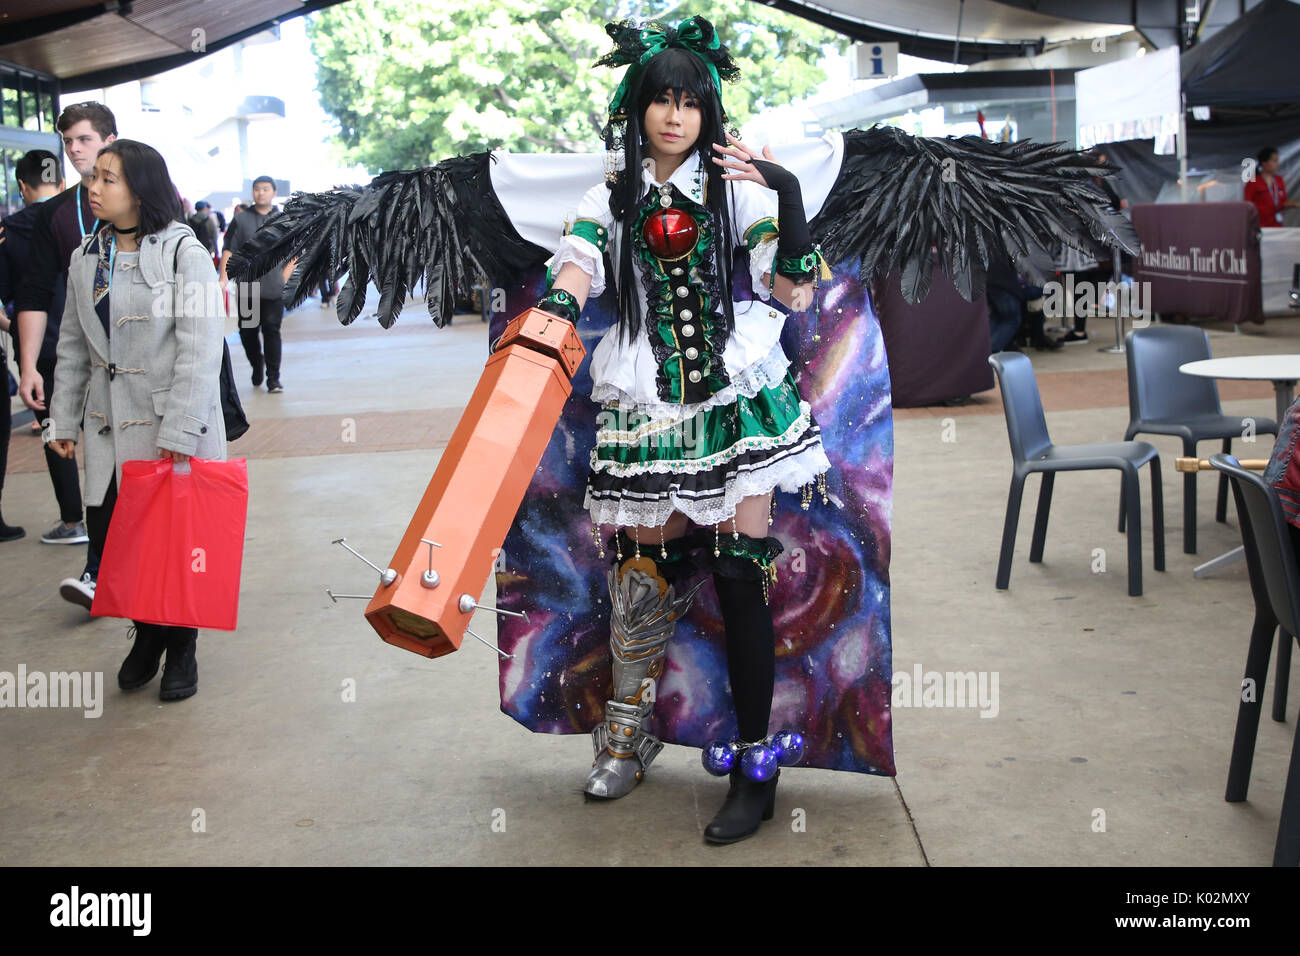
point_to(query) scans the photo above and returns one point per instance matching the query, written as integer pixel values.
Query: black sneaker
(9, 532)
(257, 375)
(1046, 344)
(274, 388)
(1074, 338)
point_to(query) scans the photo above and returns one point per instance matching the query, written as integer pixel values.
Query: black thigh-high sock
(751, 652)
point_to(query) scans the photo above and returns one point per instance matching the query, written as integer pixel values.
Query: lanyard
(112, 257)
(81, 221)
(1273, 191)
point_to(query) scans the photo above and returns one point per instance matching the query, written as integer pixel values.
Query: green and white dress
(693, 418)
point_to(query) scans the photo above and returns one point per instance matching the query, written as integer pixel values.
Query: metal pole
(1182, 145)
(1115, 274)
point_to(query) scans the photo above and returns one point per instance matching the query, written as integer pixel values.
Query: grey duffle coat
(154, 383)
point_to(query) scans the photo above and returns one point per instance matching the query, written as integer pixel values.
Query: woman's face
(672, 126)
(110, 199)
(1271, 164)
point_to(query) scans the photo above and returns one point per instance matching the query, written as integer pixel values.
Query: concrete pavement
(1109, 746)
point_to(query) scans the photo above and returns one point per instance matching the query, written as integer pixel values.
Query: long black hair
(145, 173)
(679, 73)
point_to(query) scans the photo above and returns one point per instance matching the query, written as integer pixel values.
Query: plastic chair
(1271, 562)
(1164, 401)
(1032, 451)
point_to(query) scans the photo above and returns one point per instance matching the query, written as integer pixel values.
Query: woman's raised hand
(741, 163)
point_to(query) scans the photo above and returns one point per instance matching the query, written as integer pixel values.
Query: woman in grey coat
(139, 363)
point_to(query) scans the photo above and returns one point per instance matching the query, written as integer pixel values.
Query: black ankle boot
(141, 663)
(181, 672)
(747, 805)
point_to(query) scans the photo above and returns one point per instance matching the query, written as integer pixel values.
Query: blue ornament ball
(719, 757)
(788, 745)
(759, 762)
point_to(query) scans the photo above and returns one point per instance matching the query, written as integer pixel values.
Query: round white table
(1282, 370)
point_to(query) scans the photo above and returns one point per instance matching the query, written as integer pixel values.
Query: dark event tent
(1249, 76)
(1249, 64)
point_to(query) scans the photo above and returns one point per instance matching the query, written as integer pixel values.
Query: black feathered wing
(441, 225)
(897, 196)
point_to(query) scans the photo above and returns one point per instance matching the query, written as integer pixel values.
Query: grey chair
(1032, 451)
(1164, 401)
(1275, 585)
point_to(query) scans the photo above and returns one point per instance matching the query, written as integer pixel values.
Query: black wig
(680, 73)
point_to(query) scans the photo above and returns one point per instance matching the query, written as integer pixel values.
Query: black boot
(747, 805)
(740, 579)
(141, 665)
(181, 672)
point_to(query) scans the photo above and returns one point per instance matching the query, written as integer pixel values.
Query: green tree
(412, 82)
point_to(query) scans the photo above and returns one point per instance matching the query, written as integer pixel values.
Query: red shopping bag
(175, 545)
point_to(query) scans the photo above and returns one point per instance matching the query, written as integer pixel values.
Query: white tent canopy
(1130, 99)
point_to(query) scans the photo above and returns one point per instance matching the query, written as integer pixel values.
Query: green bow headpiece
(635, 46)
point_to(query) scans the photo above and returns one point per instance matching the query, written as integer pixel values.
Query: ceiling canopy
(88, 45)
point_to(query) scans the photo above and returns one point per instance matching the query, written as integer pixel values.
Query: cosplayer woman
(707, 246)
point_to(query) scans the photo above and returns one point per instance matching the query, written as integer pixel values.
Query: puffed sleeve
(753, 220)
(588, 235)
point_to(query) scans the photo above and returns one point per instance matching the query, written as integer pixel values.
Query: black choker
(125, 232)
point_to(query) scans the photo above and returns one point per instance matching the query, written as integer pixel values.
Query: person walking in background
(57, 230)
(260, 309)
(328, 292)
(40, 177)
(1267, 190)
(7, 532)
(148, 382)
(205, 228)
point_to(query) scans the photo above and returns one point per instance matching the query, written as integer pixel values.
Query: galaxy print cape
(878, 202)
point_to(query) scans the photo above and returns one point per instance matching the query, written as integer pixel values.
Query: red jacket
(1269, 203)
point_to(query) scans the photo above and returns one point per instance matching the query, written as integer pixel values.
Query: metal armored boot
(646, 608)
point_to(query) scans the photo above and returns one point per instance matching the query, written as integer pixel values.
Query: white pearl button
(688, 330)
(695, 375)
(692, 353)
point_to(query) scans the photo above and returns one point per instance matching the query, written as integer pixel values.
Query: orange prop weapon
(423, 604)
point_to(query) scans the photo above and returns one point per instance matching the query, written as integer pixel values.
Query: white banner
(1138, 98)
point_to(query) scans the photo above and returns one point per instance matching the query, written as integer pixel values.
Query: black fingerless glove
(794, 241)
